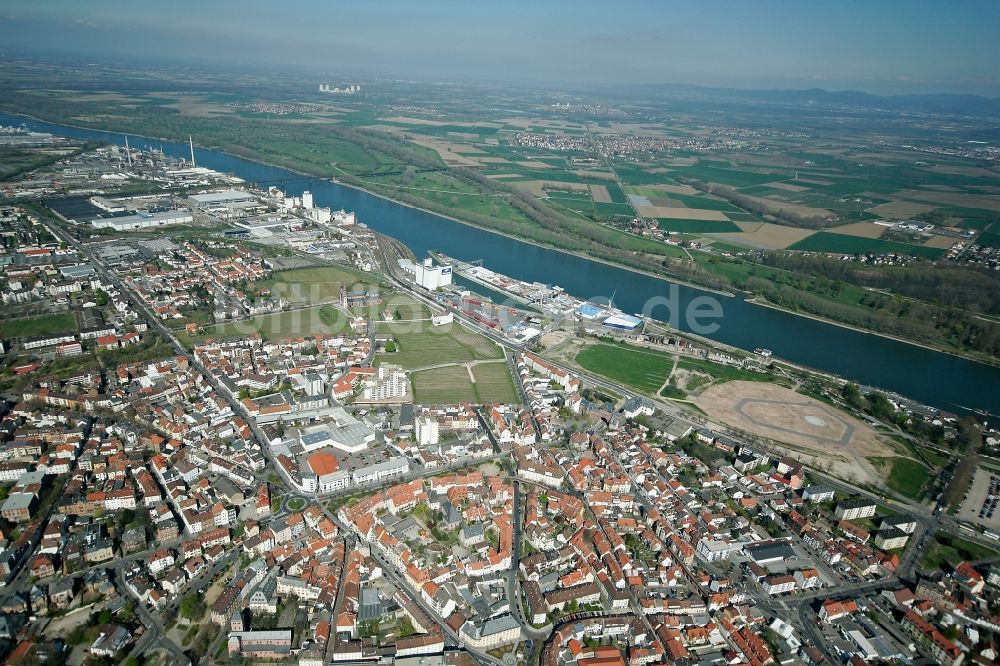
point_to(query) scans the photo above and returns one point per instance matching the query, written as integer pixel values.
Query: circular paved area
(797, 417)
(780, 414)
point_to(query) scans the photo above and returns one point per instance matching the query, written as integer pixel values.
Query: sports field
(639, 368)
(64, 322)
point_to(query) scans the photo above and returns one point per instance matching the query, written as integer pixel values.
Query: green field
(63, 322)
(405, 306)
(639, 368)
(818, 166)
(825, 241)
(323, 320)
(721, 372)
(989, 239)
(452, 384)
(421, 345)
(697, 226)
(320, 284)
(906, 476)
(952, 550)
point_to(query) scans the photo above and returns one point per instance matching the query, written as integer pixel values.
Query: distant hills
(941, 103)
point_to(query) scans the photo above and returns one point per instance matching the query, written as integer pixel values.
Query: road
(513, 584)
(155, 636)
(386, 253)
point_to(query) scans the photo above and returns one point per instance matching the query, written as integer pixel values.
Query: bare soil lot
(600, 194)
(452, 153)
(765, 235)
(806, 425)
(780, 185)
(901, 210)
(683, 213)
(940, 242)
(862, 229)
(674, 189)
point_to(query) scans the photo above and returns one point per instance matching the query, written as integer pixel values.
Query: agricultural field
(476, 383)
(426, 345)
(575, 176)
(63, 322)
(790, 173)
(825, 241)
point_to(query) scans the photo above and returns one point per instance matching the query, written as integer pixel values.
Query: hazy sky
(880, 46)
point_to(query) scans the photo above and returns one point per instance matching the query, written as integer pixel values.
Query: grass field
(320, 284)
(722, 372)
(64, 322)
(405, 306)
(452, 384)
(494, 382)
(989, 238)
(952, 550)
(325, 320)
(906, 476)
(639, 368)
(423, 345)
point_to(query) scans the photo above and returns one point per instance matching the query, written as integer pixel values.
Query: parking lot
(982, 504)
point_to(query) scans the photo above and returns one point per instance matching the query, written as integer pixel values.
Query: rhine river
(937, 379)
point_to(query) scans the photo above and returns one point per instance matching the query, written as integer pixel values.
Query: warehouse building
(143, 220)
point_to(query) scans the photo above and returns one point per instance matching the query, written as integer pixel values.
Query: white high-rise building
(307, 200)
(426, 430)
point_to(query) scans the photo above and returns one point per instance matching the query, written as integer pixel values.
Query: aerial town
(182, 484)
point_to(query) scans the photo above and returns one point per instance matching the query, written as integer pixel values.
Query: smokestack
(191, 142)
(128, 154)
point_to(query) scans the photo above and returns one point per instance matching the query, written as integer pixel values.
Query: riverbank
(945, 381)
(667, 277)
(228, 150)
(995, 363)
(555, 248)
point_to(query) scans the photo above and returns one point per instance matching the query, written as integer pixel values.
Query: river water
(937, 379)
